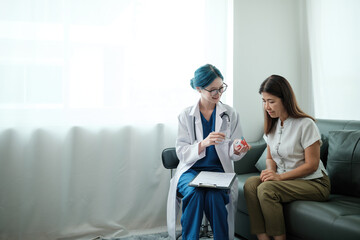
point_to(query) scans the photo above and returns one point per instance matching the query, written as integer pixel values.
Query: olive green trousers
(264, 200)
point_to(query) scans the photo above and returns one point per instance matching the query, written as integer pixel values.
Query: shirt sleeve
(265, 138)
(310, 133)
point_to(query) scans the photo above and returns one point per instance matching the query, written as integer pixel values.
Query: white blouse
(288, 142)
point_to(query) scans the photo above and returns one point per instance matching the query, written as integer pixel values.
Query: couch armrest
(247, 163)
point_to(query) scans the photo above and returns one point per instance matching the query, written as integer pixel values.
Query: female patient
(294, 169)
(206, 132)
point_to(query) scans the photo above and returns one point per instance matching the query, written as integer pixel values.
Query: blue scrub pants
(196, 201)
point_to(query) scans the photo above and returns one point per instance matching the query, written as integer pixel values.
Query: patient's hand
(269, 175)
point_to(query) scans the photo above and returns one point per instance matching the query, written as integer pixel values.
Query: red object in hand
(241, 143)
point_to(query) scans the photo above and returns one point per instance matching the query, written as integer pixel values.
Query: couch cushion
(261, 163)
(247, 163)
(325, 126)
(338, 218)
(343, 163)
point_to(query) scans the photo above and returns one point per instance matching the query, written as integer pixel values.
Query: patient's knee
(252, 183)
(267, 190)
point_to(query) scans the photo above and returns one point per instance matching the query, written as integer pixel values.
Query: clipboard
(217, 180)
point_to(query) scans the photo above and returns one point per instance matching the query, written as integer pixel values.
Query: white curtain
(82, 182)
(334, 37)
(90, 91)
(110, 61)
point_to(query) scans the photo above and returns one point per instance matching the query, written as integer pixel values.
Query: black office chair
(171, 161)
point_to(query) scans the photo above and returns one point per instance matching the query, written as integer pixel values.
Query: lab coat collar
(195, 110)
(220, 109)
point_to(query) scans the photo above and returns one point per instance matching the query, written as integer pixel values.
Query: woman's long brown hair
(278, 86)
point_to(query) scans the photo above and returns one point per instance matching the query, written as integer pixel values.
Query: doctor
(205, 142)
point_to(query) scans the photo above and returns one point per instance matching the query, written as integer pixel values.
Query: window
(106, 62)
(334, 37)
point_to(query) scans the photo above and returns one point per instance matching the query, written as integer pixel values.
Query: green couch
(339, 217)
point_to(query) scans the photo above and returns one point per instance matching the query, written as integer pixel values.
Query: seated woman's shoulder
(305, 122)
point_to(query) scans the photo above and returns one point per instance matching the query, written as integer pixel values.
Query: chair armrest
(247, 163)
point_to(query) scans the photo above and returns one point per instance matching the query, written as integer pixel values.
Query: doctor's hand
(214, 138)
(238, 149)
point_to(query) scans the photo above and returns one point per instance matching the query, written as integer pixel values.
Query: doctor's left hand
(241, 149)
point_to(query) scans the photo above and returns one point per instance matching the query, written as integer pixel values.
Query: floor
(158, 234)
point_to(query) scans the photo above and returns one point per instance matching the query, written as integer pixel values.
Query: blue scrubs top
(211, 161)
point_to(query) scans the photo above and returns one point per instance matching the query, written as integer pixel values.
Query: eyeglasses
(216, 91)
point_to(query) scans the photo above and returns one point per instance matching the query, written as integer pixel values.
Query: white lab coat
(187, 152)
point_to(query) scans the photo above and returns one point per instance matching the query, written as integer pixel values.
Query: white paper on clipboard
(213, 180)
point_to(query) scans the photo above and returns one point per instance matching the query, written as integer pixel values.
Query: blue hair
(204, 76)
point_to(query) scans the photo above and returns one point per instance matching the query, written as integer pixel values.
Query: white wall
(268, 39)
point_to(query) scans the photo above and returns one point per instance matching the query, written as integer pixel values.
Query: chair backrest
(169, 158)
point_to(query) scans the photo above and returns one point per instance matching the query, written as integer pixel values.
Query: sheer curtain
(125, 60)
(89, 96)
(334, 37)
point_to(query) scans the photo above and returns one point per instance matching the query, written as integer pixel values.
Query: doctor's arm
(187, 148)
